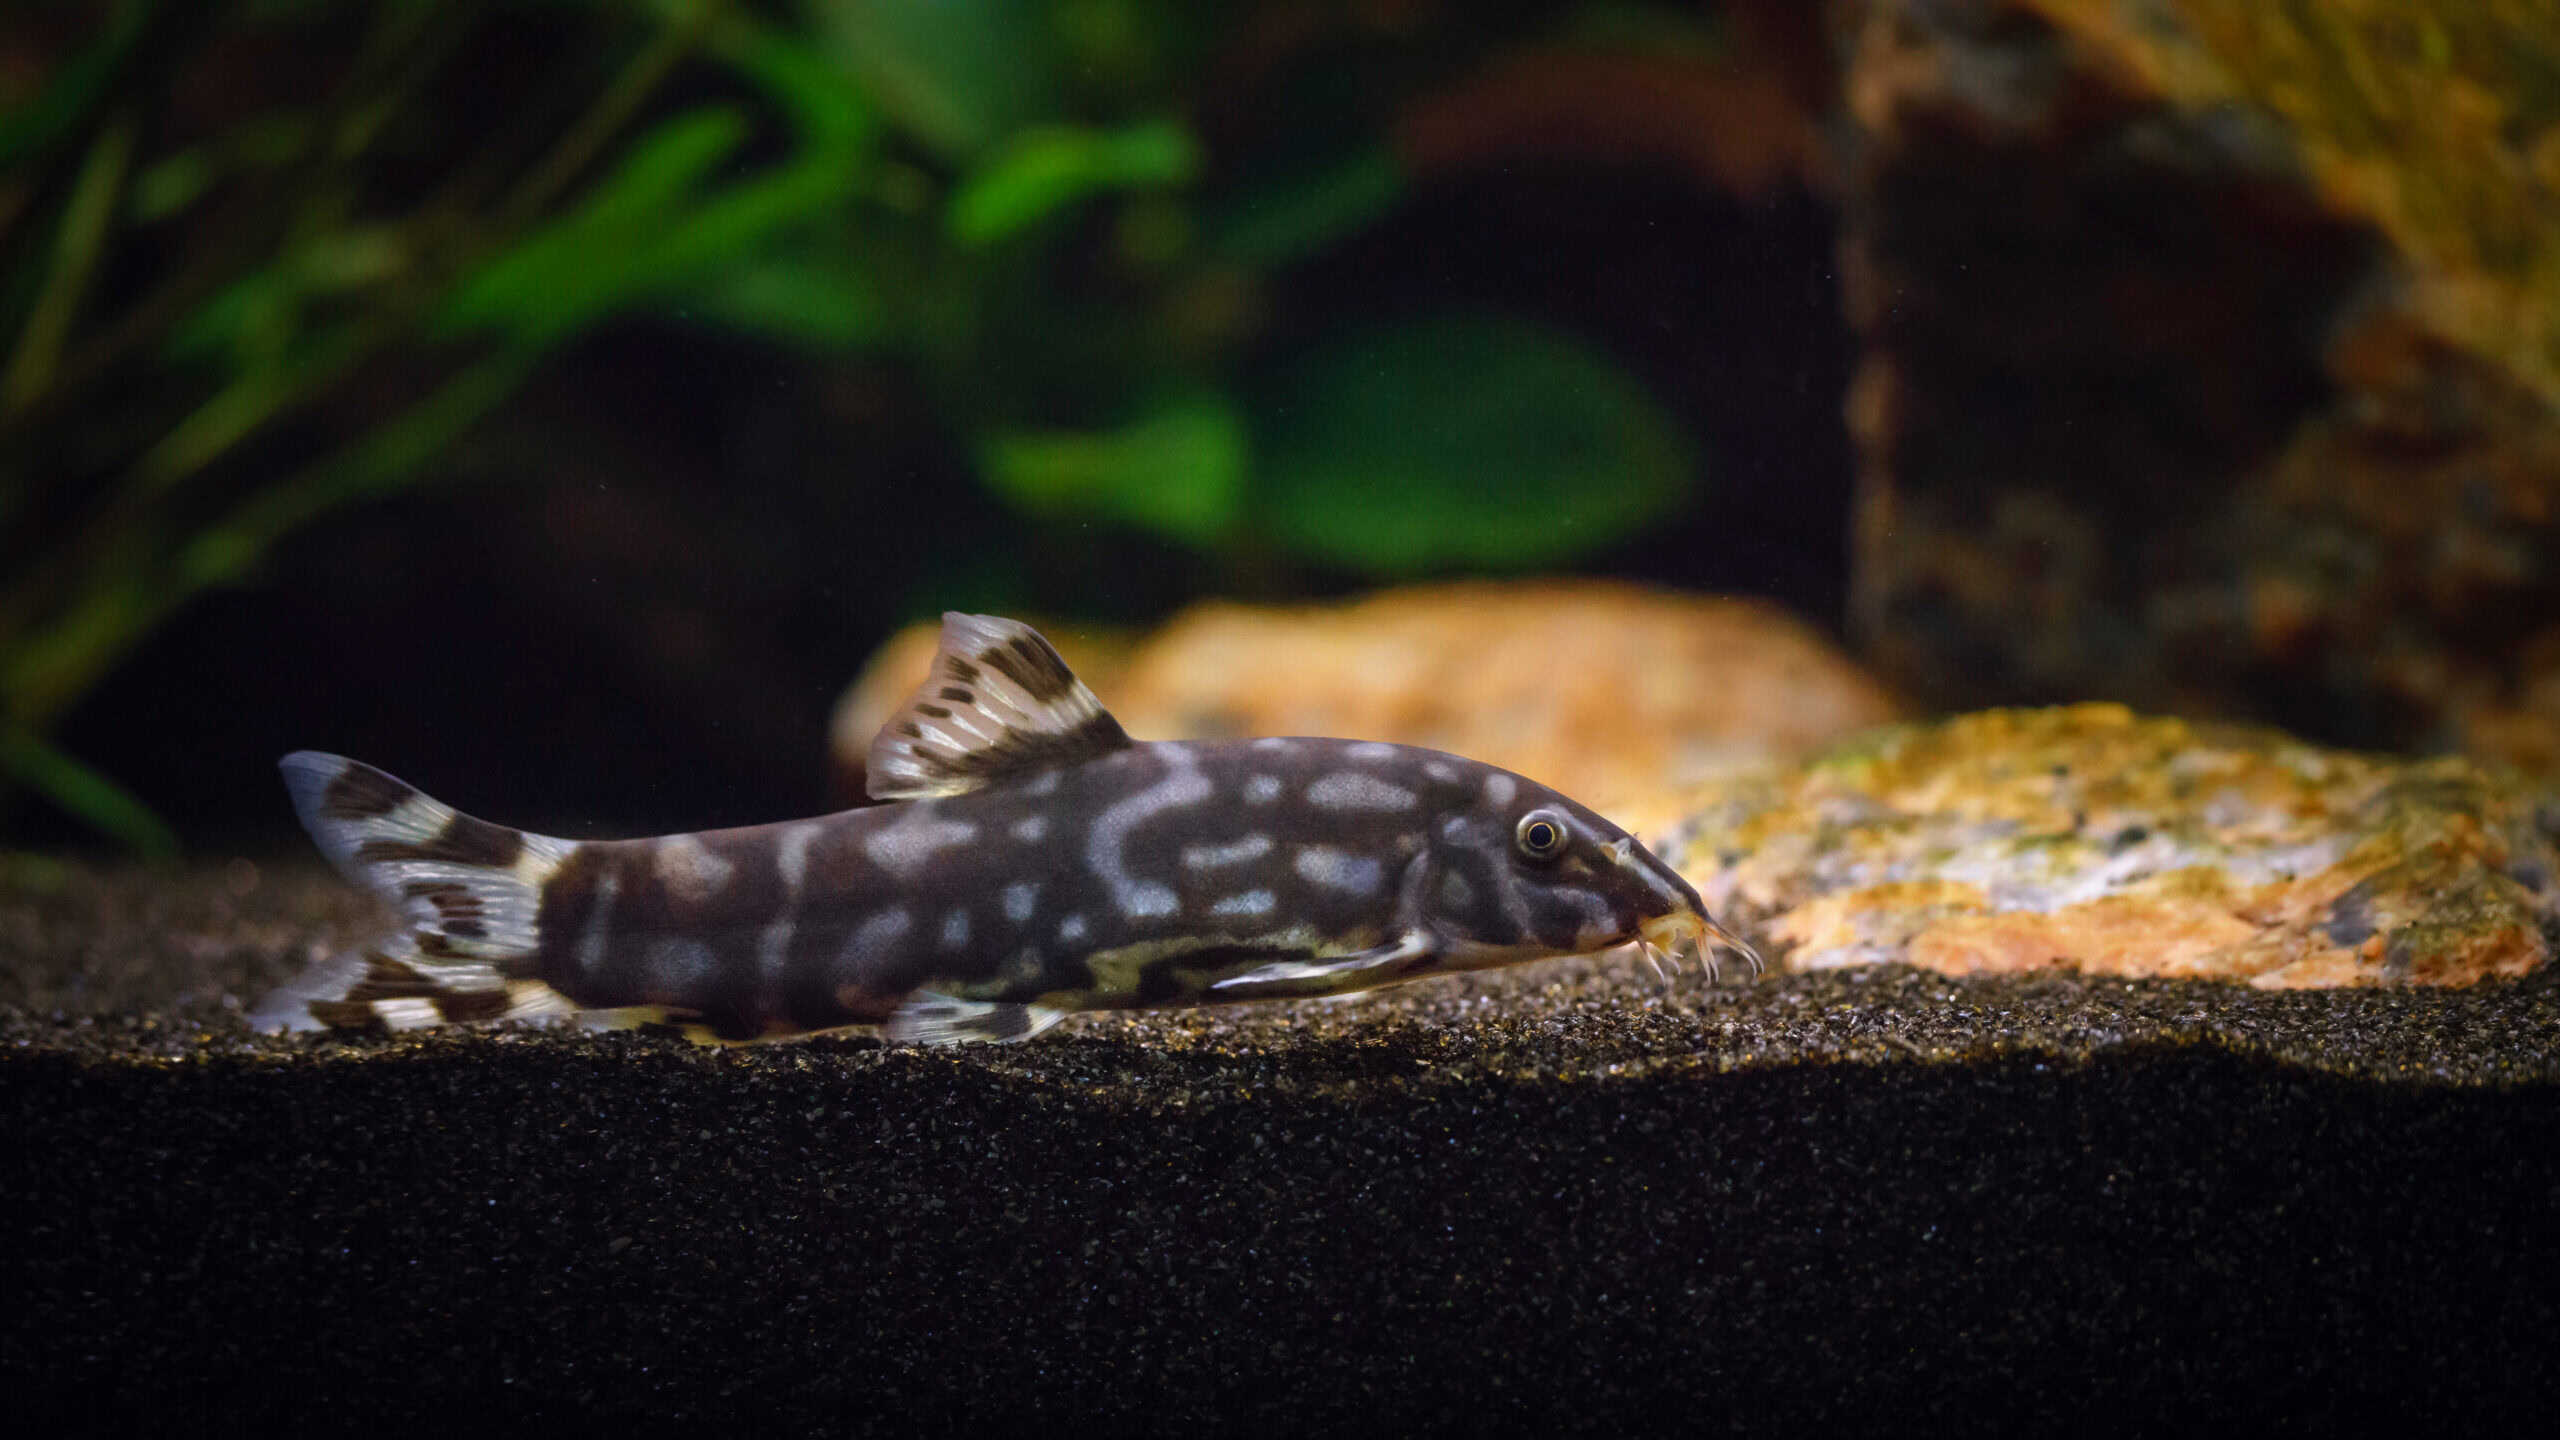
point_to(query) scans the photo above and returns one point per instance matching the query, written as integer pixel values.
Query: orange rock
(2090, 838)
(1878, 923)
(2112, 935)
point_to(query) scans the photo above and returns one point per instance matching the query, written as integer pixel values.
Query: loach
(1037, 862)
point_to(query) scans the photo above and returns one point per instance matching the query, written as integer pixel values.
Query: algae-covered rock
(2211, 359)
(2091, 838)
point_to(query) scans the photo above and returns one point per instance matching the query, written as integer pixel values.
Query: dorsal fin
(998, 705)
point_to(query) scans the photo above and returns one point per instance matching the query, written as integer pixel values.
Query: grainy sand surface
(1563, 1199)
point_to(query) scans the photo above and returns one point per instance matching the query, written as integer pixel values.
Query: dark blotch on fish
(361, 793)
(463, 841)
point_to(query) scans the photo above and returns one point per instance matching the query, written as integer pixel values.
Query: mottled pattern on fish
(1041, 863)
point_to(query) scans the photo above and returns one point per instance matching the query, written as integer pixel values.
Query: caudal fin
(470, 900)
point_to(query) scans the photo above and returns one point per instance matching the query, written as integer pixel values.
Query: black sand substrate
(1561, 1200)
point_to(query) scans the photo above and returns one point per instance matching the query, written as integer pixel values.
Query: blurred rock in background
(1615, 694)
(2210, 357)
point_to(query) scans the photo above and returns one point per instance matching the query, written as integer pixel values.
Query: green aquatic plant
(266, 271)
(230, 310)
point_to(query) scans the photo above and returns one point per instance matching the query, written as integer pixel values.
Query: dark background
(657, 569)
(556, 402)
(627, 596)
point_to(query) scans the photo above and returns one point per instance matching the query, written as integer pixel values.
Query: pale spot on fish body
(871, 943)
(1031, 830)
(773, 945)
(688, 871)
(1071, 930)
(1351, 790)
(1337, 869)
(1371, 750)
(1595, 910)
(674, 965)
(1261, 789)
(1020, 899)
(1249, 903)
(955, 930)
(1500, 789)
(1181, 785)
(791, 866)
(791, 856)
(1233, 852)
(914, 838)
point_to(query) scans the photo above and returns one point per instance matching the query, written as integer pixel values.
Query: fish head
(1527, 871)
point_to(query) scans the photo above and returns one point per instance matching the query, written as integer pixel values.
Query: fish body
(1036, 862)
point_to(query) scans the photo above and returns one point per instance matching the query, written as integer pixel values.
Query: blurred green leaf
(804, 299)
(172, 185)
(1045, 169)
(751, 256)
(1461, 440)
(1280, 219)
(253, 319)
(958, 75)
(247, 320)
(260, 143)
(275, 314)
(653, 230)
(86, 795)
(78, 242)
(586, 261)
(379, 460)
(1178, 470)
(826, 104)
(732, 225)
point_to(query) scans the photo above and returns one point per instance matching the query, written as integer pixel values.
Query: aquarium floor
(1560, 1200)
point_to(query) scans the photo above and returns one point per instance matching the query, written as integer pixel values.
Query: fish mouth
(1695, 933)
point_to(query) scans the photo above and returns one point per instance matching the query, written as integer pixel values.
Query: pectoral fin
(1415, 947)
(1334, 975)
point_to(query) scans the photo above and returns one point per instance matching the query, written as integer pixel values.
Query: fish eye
(1541, 835)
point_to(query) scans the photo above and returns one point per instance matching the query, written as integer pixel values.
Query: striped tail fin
(469, 895)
